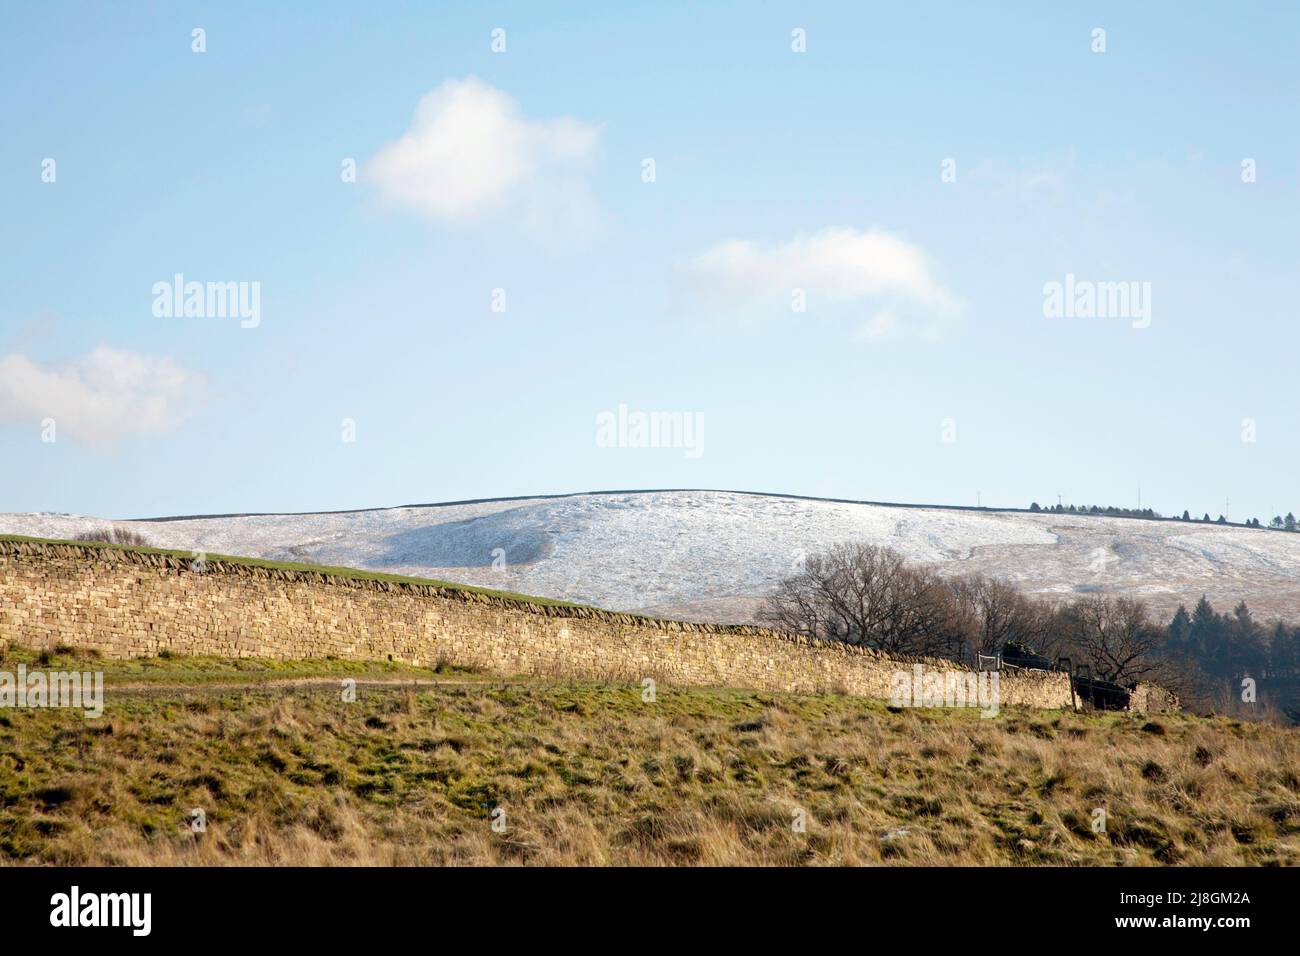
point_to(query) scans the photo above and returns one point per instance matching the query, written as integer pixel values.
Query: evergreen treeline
(1278, 523)
(1234, 645)
(1096, 510)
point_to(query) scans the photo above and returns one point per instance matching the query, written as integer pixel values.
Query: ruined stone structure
(130, 603)
(1152, 698)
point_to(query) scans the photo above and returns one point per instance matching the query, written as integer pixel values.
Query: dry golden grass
(591, 774)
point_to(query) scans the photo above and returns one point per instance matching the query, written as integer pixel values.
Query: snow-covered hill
(711, 555)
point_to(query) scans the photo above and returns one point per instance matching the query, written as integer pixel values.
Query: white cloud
(470, 153)
(101, 398)
(836, 265)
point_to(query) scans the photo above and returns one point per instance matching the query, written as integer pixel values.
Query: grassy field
(592, 774)
(185, 673)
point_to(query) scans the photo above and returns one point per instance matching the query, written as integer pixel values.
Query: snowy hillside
(713, 555)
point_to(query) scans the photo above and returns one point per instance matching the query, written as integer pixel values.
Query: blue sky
(522, 171)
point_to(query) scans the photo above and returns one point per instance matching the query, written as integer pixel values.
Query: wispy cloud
(1028, 183)
(879, 325)
(99, 399)
(470, 153)
(835, 267)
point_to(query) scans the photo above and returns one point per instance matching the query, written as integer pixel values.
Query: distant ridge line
(579, 494)
(657, 491)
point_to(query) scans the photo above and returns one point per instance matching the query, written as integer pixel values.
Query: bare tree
(1004, 614)
(1115, 636)
(114, 534)
(864, 594)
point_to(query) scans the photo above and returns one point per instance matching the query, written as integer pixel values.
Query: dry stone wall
(125, 603)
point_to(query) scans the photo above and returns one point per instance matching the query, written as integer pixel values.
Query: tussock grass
(590, 774)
